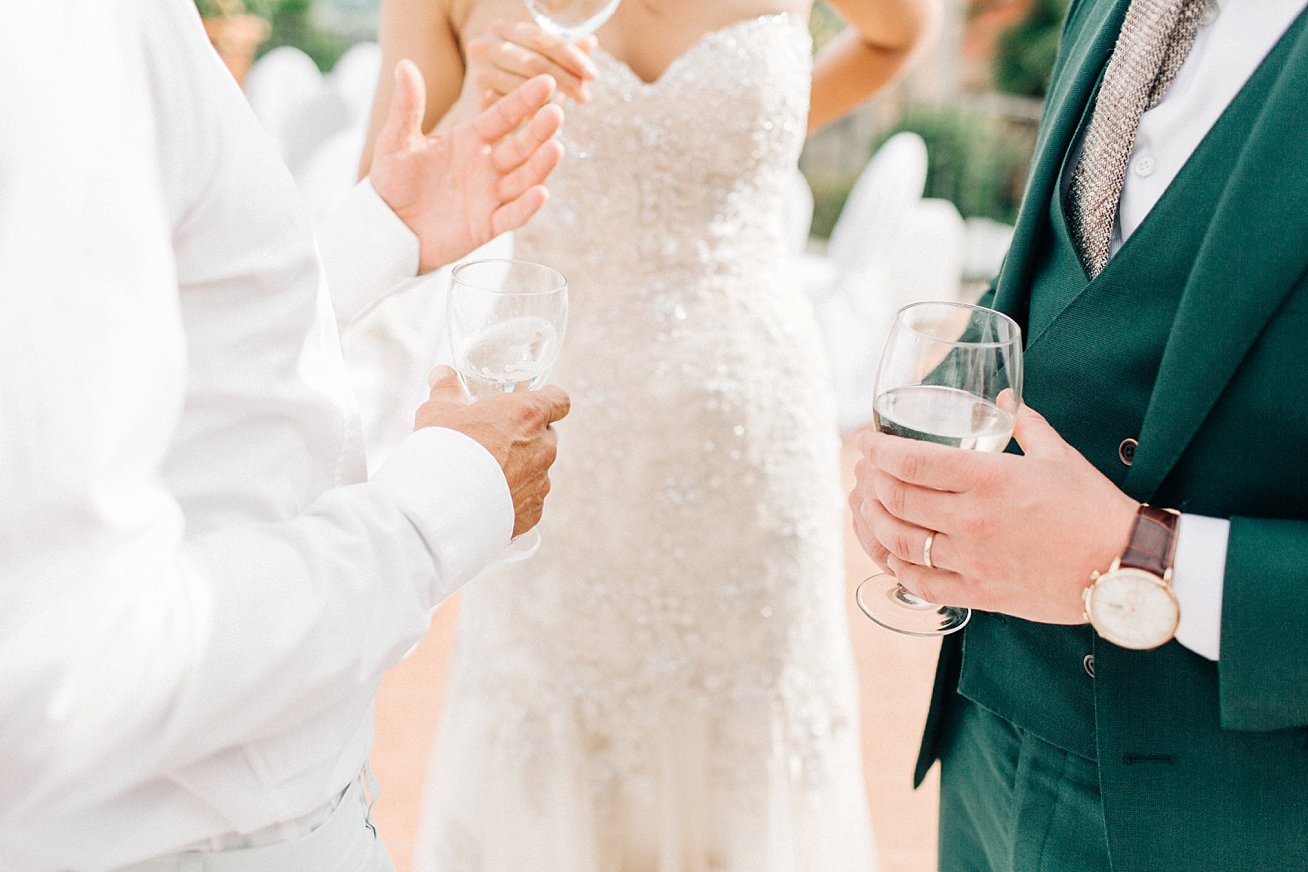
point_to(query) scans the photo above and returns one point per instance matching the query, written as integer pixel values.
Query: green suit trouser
(1010, 802)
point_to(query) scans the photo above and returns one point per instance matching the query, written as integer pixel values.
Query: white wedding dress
(667, 685)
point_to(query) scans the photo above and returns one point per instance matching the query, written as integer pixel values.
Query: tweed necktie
(1156, 36)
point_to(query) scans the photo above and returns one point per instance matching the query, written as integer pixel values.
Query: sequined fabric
(667, 685)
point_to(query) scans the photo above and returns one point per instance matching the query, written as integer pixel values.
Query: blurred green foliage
(1026, 51)
(292, 24)
(220, 8)
(976, 160)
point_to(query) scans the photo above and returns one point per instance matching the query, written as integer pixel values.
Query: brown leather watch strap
(1153, 541)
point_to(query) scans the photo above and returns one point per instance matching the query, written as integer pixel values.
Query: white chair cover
(852, 291)
(354, 78)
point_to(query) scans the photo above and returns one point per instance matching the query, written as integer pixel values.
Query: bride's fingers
(523, 63)
(531, 173)
(573, 57)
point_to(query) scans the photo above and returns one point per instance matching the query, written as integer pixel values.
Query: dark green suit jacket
(1202, 765)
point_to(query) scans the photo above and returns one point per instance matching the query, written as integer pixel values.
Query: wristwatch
(1132, 604)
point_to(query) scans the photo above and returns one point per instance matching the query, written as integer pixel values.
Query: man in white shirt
(199, 591)
(1132, 690)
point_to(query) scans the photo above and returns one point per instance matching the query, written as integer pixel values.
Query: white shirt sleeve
(127, 650)
(1198, 579)
(366, 251)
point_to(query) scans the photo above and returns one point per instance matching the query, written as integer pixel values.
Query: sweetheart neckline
(705, 38)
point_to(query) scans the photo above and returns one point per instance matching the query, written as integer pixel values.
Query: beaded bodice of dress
(684, 170)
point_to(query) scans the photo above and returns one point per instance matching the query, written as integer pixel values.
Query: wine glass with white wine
(506, 322)
(571, 19)
(950, 374)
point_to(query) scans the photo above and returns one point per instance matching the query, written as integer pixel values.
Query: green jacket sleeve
(1263, 668)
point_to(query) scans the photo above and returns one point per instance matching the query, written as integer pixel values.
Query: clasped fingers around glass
(950, 374)
(506, 322)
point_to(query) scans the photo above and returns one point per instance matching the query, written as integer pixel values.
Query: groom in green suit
(1132, 691)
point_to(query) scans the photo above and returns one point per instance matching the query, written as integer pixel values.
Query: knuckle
(892, 494)
(985, 477)
(531, 416)
(901, 545)
(975, 525)
(910, 465)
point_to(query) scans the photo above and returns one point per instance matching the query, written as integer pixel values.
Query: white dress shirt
(1233, 41)
(198, 594)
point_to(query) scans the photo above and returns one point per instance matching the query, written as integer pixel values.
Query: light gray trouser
(345, 842)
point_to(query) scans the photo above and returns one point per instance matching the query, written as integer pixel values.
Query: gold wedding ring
(926, 550)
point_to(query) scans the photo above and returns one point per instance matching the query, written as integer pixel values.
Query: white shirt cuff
(366, 251)
(1198, 578)
(455, 494)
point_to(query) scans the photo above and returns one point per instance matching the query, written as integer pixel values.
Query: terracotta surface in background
(895, 675)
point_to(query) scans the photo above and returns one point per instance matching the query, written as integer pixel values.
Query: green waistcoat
(1194, 340)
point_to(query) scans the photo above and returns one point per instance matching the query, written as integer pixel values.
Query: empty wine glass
(950, 374)
(506, 321)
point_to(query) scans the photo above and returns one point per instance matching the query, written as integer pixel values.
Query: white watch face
(1133, 609)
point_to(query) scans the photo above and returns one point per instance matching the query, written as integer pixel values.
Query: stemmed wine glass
(506, 322)
(571, 19)
(951, 374)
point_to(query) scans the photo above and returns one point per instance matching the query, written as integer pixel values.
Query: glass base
(881, 598)
(520, 548)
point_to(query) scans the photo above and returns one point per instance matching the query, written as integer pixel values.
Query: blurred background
(912, 197)
(974, 98)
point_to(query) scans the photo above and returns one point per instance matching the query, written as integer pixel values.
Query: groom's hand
(515, 428)
(1018, 535)
(457, 189)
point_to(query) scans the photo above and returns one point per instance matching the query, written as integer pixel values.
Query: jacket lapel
(1092, 30)
(1251, 257)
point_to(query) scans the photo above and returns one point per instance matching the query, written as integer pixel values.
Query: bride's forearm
(883, 36)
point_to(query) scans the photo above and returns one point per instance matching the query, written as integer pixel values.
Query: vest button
(1088, 664)
(1126, 451)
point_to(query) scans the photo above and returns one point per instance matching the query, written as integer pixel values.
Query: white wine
(509, 356)
(571, 19)
(946, 416)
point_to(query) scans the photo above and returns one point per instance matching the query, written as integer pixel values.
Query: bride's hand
(513, 52)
